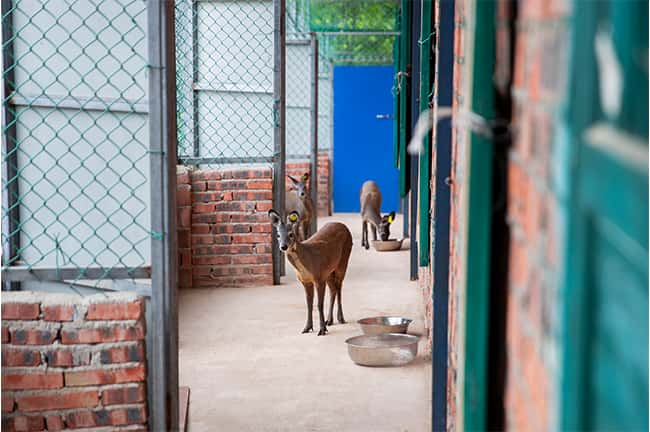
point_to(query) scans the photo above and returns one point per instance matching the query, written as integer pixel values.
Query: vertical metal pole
(163, 364)
(416, 10)
(279, 139)
(441, 213)
(314, 130)
(10, 192)
(330, 197)
(196, 147)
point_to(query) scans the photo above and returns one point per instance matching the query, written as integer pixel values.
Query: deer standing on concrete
(321, 259)
(370, 198)
(299, 200)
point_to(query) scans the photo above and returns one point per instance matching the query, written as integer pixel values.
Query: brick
(211, 260)
(262, 269)
(20, 311)
(54, 423)
(251, 238)
(184, 239)
(234, 249)
(207, 197)
(262, 228)
(208, 239)
(105, 376)
(250, 217)
(253, 195)
(182, 175)
(33, 336)
(114, 417)
(28, 423)
(185, 258)
(264, 206)
(259, 185)
(252, 280)
(7, 403)
(262, 248)
(206, 175)
(203, 208)
(5, 334)
(32, 380)
(115, 311)
(122, 354)
(183, 195)
(234, 206)
(124, 395)
(20, 357)
(250, 174)
(58, 313)
(102, 334)
(184, 217)
(67, 358)
(252, 259)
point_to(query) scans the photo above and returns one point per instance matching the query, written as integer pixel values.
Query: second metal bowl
(384, 324)
(383, 350)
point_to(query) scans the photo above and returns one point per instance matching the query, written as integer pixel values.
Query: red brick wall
(230, 229)
(533, 209)
(296, 169)
(70, 362)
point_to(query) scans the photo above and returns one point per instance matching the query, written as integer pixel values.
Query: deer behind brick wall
(321, 259)
(370, 198)
(299, 200)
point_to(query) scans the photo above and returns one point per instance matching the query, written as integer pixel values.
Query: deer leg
(332, 286)
(339, 314)
(309, 295)
(320, 290)
(364, 235)
(374, 232)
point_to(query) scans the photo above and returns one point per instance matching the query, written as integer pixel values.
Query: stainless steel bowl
(389, 349)
(384, 324)
(387, 245)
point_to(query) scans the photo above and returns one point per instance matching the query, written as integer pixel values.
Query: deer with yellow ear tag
(321, 259)
(370, 198)
(299, 200)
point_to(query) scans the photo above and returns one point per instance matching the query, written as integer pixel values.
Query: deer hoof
(322, 332)
(307, 329)
(341, 320)
(329, 322)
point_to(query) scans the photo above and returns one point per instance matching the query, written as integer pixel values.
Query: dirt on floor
(249, 368)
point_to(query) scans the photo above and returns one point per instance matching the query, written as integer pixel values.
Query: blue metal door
(363, 135)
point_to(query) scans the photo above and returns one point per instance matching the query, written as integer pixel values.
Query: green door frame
(584, 110)
(479, 217)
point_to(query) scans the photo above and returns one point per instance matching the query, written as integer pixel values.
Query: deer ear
(305, 177)
(275, 217)
(391, 217)
(293, 217)
(293, 180)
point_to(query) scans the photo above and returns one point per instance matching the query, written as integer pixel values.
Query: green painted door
(605, 382)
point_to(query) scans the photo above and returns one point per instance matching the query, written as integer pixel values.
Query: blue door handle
(384, 116)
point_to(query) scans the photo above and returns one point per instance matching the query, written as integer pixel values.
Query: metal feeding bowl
(389, 349)
(388, 245)
(384, 324)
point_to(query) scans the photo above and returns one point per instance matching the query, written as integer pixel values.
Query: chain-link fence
(225, 63)
(76, 142)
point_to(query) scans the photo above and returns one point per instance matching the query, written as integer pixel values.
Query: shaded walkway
(250, 369)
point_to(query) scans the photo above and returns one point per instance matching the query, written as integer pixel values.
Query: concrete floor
(250, 369)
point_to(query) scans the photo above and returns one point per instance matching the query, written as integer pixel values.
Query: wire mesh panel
(76, 184)
(224, 81)
(299, 93)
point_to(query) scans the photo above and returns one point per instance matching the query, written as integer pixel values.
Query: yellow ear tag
(293, 218)
(305, 177)
(390, 219)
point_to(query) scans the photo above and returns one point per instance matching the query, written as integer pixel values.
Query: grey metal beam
(162, 384)
(10, 193)
(359, 33)
(28, 273)
(313, 183)
(196, 145)
(279, 136)
(224, 160)
(198, 87)
(82, 103)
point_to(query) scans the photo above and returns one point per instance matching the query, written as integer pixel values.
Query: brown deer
(370, 198)
(321, 259)
(299, 200)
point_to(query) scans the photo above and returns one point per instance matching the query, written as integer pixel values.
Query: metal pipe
(279, 138)
(314, 130)
(196, 144)
(163, 362)
(10, 194)
(442, 210)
